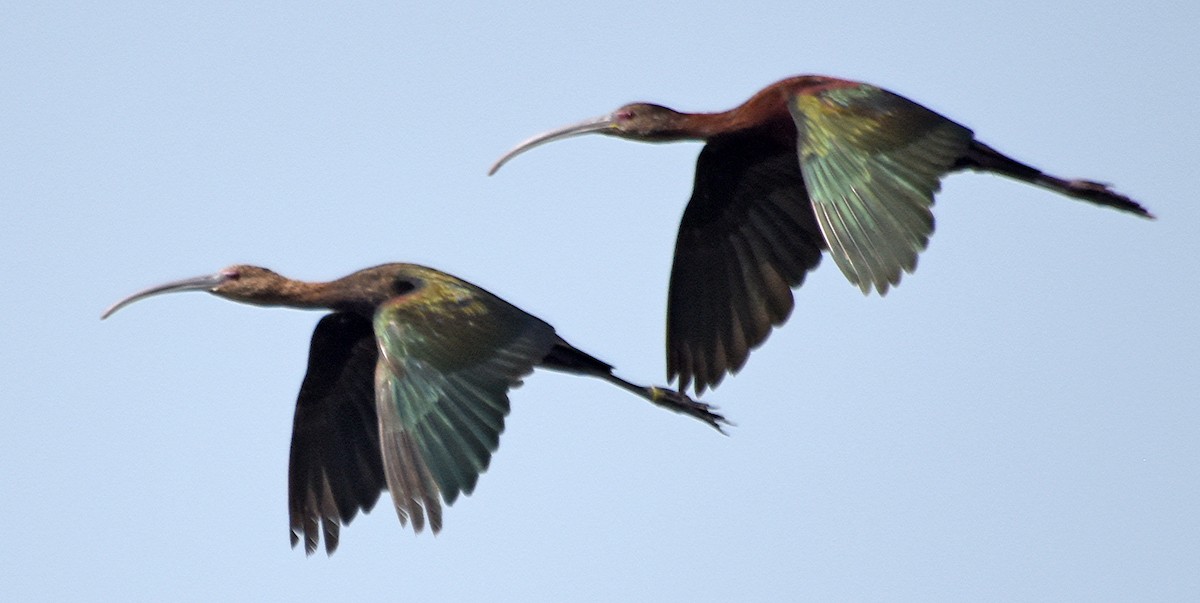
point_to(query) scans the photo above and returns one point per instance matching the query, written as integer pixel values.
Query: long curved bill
(587, 126)
(199, 283)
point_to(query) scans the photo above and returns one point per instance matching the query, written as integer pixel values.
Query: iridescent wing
(335, 467)
(450, 353)
(747, 237)
(872, 161)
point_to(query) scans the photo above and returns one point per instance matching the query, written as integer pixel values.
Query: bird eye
(401, 286)
(231, 274)
(625, 114)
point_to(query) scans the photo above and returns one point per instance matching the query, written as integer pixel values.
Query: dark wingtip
(310, 546)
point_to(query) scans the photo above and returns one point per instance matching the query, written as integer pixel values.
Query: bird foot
(681, 403)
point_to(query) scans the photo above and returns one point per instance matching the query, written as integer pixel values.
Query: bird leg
(674, 401)
(681, 403)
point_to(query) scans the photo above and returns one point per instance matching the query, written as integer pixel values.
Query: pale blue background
(1018, 421)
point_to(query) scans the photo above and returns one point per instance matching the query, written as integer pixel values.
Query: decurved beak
(199, 283)
(587, 126)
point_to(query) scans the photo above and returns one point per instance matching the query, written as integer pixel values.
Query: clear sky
(1017, 421)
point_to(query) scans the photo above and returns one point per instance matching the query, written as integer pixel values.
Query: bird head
(644, 122)
(247, 284)
(360, 292)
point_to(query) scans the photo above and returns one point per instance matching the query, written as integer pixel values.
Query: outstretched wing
(747, 237)
(335, 467)
(872, 161)
(450, 353)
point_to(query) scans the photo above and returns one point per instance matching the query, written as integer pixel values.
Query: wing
(449, 357)
(335, 467)
(872, 161)
(747, 237)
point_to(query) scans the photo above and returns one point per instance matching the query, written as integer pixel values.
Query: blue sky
(1018, 420)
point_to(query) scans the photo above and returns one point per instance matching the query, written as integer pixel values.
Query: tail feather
(982, 157)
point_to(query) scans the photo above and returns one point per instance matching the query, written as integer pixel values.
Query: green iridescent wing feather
(872, 161)
(450, 353)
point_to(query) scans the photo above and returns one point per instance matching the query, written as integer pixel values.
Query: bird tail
(982, 157)
(570, 359)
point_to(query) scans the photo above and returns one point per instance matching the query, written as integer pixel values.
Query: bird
(406, 387)
(808, 164)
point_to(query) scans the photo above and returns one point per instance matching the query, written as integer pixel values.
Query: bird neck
(767, 113)
(702, 126)
(290, 293)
